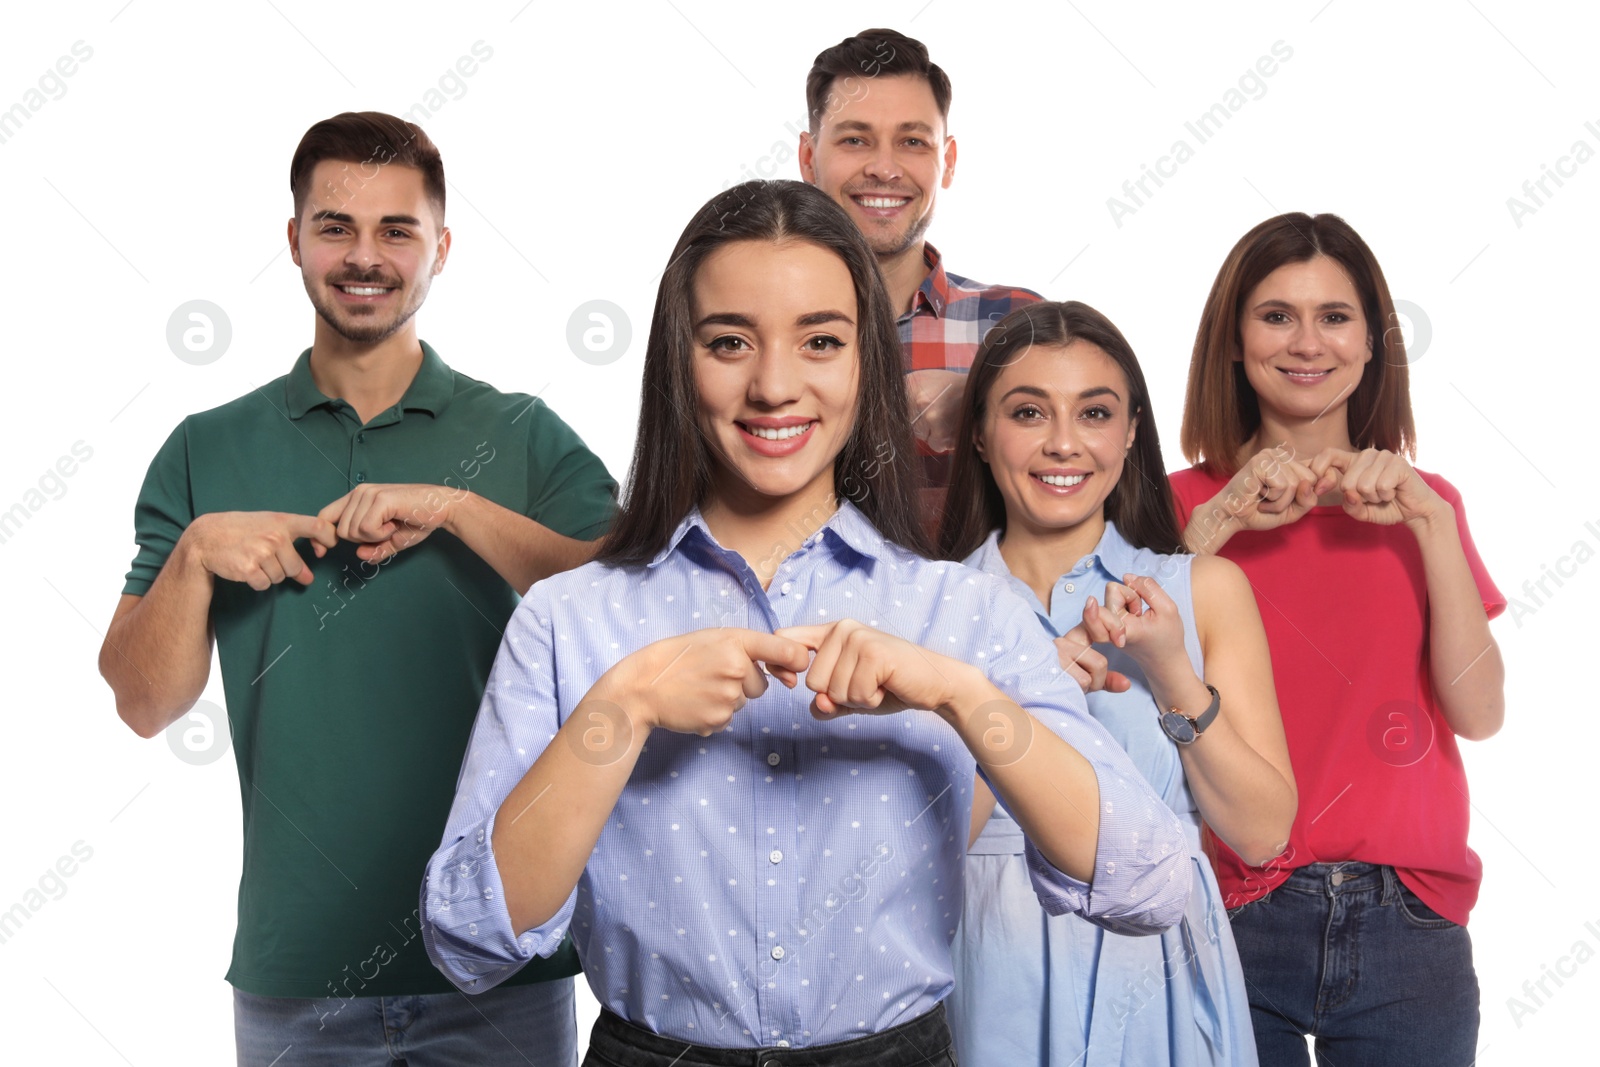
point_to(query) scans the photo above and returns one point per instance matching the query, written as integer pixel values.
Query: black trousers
(922, 1042)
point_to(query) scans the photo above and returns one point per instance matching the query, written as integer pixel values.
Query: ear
(977, 443)
(442, 251)
(949, 162)
(806, 154)
(294, 241)
(1133, 431)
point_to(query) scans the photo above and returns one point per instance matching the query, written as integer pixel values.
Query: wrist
(1178, 687)
(633, 700)
(458, 505)
(189, 554)
(970, 689)
(1440, 519)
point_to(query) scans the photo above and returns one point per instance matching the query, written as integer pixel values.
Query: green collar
(429, 391)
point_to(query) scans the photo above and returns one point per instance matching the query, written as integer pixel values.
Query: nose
(1306, 340)
(1062, 441)
(774, 379)
(363, 253)
(883, 166)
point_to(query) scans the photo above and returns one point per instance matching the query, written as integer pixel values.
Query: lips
(363, 292)
(776, 437)
(1059, 483)
(881, 205)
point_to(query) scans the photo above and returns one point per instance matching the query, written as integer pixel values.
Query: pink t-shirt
(1345, 605)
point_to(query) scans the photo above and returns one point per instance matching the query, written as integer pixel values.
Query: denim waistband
(1340, 878)
(918, 1042)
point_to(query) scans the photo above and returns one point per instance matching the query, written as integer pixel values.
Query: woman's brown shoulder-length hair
(1220, 412)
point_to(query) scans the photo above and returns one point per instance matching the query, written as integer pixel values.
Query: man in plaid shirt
(878, 146)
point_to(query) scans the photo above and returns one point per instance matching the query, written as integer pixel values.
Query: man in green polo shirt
(353, 665)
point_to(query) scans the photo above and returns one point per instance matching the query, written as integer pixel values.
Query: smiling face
(1304, 342)
(883, 156)
(775, 366)
(1055, 432)
(368, 246)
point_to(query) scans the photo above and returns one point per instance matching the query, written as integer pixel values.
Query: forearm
(520, 550)
(1210, 527)
(1050, 789)
(546, 829)
(1468, 673)
(983, 804)
(157, 652)
(1245, 800)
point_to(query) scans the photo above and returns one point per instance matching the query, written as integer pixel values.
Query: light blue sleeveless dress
(1055, 990)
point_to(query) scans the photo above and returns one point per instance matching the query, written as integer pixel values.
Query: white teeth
(884, 201)
(363, 290)
(1306, 374)
(780, 434)
(1061, 480)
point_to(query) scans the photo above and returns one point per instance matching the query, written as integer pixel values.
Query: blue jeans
(513, 1025)
(1346, 953)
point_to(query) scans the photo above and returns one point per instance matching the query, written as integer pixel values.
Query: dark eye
(1337, 318)
(823, 343)
(1097, 413)
(1027, 413)
(727, 343)
(1277, 318)
(401, 233)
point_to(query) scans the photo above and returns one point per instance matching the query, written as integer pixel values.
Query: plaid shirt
(949, 316)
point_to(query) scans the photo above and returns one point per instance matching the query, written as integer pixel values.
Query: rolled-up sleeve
(1142, 874)
(467, 928)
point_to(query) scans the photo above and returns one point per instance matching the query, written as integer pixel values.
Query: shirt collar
(429, 391)
(847, 527)
(934, 292)
(1114, 556)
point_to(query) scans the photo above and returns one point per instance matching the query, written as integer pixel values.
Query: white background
(575, 156)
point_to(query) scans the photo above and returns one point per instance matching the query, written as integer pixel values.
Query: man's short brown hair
(367, 138)
(869, 54)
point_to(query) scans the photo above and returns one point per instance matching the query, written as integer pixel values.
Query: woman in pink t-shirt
(1377, 608)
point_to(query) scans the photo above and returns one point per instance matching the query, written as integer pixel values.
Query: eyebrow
(734, 318)
(1331, 305)
(388, 220)
(911, 126)
(1087, 394)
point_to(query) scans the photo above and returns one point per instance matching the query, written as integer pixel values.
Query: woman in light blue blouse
(1060, 491)
(748, 867)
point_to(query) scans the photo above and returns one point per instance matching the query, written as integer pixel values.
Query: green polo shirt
(351, 699)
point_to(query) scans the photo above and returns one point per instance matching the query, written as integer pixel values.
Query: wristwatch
(1186, 731)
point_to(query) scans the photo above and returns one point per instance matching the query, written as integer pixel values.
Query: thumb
(775, 650)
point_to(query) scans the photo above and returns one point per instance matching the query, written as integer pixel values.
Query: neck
(766, 531)
(370, 378)
(1306, 436)
(903, 274)
(1039, 556)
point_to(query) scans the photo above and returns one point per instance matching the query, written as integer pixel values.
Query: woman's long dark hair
(1140, 504)
(672, 461)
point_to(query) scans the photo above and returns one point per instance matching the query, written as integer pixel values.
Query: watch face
(1178, 727)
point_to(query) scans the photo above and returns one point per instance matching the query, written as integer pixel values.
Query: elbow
(1484, 722)
(142, 718)
(1483, 729)
(1259, 853)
